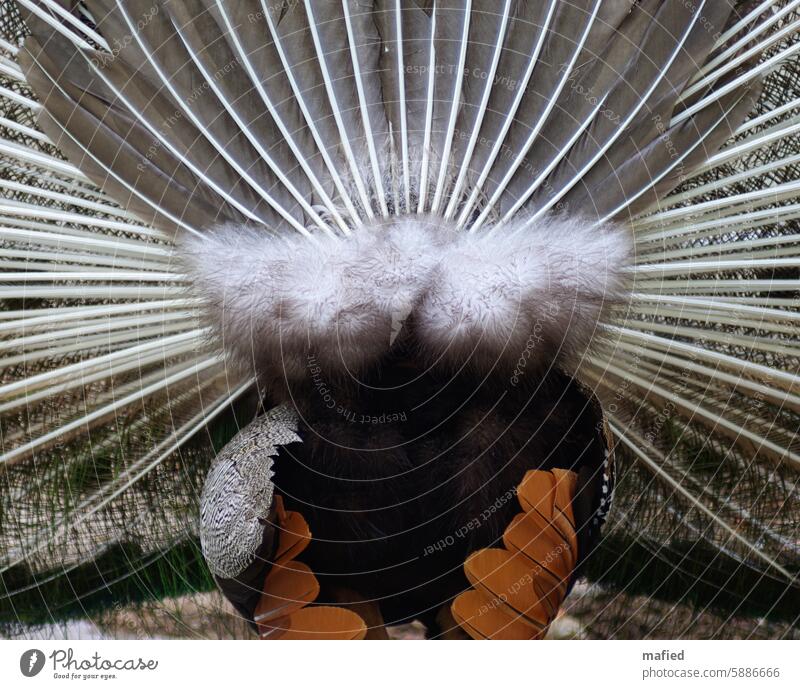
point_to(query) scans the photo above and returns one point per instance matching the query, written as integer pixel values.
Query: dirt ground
(588, 613)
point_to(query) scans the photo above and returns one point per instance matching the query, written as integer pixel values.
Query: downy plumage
(437, 229)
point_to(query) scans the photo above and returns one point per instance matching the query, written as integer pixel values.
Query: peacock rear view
(361, 311)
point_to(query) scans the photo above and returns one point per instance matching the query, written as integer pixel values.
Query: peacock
(363, 311)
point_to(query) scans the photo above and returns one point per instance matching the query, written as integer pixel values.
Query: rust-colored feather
(517, 590)
(320, 622)
(290, 586)
(287, 589)
(294, 534)
(481, 621)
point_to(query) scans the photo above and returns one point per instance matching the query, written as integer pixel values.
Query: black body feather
(403, 474)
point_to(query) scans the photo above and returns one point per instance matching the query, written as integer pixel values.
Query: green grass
(121, 576)
(703, 578)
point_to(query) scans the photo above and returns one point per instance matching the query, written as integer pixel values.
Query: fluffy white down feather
(272, 301)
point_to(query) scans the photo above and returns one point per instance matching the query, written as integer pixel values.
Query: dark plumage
(404, 473)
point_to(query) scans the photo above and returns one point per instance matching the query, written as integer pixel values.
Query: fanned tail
(129, 127)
